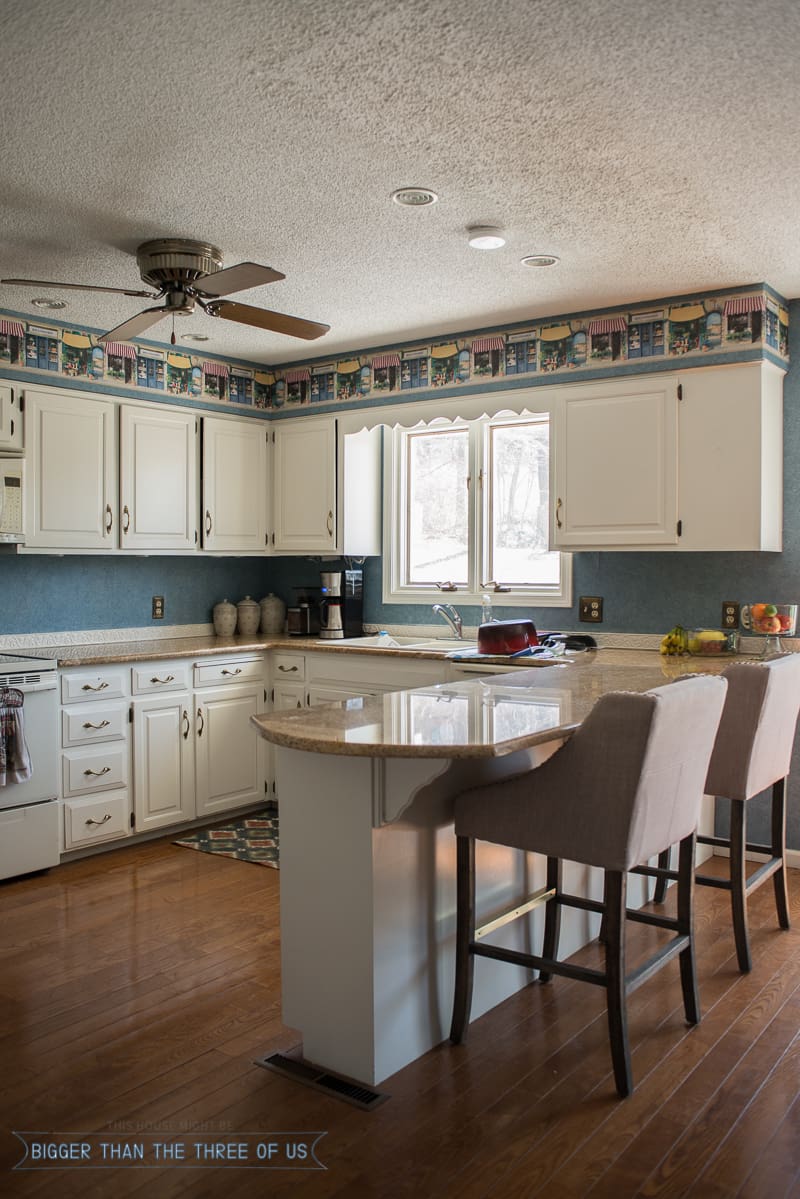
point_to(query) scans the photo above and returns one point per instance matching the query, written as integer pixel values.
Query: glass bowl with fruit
(771, 621)
(710, 643)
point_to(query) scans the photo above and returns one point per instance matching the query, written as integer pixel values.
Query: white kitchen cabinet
(11, 429)
(71, 480)
(158, 478)
(163, 760)
(229, 754)
(304, 500)
(235, 495)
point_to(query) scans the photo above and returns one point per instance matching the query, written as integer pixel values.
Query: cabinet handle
(91, 687)
(87, 724)
(169, 679)
(238, 670)
(299, 704)
(330, 524)
(105, 819)
(208, 522)
(109, 518)
(558, 510)
(202, 722)
(287, 669)
(97, 773)
(187, 724)
(127, 519)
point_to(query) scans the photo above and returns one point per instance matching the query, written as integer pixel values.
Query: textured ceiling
(652, 146)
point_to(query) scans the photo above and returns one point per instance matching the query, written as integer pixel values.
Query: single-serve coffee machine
(341, 606)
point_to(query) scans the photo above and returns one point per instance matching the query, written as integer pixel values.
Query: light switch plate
(590, 609)
(158, 607)
(730, 615)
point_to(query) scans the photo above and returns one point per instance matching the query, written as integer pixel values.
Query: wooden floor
(137, 988)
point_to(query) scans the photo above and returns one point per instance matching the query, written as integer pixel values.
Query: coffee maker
(341, 606)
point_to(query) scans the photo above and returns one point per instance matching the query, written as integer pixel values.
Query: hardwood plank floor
(137, 988)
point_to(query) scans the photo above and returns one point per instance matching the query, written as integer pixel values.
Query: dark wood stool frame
(617, 982)
(739, 885)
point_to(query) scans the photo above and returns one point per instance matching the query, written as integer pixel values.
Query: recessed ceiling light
(46, 302)
(414, 197)
(485, 237)
(539, 260)
(195, 337)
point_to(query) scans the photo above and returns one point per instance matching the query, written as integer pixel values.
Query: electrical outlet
(158, 607)
(730, 615)
(590, 609)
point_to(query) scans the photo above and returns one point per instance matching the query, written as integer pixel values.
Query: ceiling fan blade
(117, 291)
(136, 325)
(262, 318)
(236, 278)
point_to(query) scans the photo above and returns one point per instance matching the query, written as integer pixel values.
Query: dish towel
(15, 761)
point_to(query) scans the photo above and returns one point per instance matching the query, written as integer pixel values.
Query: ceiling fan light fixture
(485, 237)
(540, 260)
(47, 302)
(414, 197)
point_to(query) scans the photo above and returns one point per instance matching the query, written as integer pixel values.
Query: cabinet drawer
(89, 725)
(288, 667)
(87, 821)
(237, 670)
(106, 683)
(95, 768)
(149, 680)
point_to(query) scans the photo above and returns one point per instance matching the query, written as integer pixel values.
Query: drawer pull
(559, 506)
(126, 516)
(238, 670)
(169, 679)
(208, 523)
(202, 722)
(329, 523)
(91, 687)
(109, 518)
(98, 773)
(187, 724)
(105, 819)
(287, 669)
(103, 724)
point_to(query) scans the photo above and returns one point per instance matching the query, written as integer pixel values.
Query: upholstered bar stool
(628, 783)
(753, 752)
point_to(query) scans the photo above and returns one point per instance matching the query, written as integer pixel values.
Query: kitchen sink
(444, 645)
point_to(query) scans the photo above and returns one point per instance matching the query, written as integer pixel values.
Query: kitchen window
(466, 505)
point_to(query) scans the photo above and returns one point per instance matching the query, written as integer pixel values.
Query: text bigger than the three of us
(282, 1150)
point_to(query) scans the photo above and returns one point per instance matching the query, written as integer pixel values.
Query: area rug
(252, 838)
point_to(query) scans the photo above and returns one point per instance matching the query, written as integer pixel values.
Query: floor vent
(322, 1080)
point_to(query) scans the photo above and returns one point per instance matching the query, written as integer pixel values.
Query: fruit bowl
(771, 621)
(707, 643)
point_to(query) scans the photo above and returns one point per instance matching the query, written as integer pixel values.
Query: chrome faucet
(453, 618)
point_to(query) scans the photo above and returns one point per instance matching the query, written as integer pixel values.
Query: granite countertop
(486, 717)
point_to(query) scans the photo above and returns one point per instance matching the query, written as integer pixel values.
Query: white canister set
(249, 616)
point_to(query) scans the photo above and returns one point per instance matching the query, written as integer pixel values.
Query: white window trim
(394, 536)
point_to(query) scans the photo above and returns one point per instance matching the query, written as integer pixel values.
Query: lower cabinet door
(163, 760)
(229, 754)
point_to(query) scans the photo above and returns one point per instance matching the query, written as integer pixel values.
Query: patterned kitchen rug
(252, 838)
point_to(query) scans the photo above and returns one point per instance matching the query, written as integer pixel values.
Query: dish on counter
(706, 643)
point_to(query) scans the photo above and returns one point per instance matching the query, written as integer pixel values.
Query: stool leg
(686, 958)
(465, 931)
(779, 850)
(660, 892)
(601, 936)
(738, 883)
(616, 894)
(552, 916)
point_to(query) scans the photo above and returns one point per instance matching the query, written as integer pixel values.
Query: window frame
(395, 520)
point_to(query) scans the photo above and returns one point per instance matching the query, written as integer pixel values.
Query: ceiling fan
(186, 273)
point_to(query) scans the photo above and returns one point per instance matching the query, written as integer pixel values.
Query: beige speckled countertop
(486, 717)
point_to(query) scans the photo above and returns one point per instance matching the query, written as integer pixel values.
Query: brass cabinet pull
(208, 521)
(287, 669)
(109, 518)
(127, 519)
(169, 679)
(105, 819)
(87, 724)
(97, 773)
(238, 670)
(299, 704)
(202, 722)
(91, 687)
(558, 510)
(187, 724)
(330, 524)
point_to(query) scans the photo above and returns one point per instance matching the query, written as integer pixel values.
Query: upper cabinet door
(71, 480)
(158, 483)
(305, 485)
(615, 465)
(234, 485)
(10, 420)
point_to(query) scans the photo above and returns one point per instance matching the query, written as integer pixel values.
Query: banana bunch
(676, 641)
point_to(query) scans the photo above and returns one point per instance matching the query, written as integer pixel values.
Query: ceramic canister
(273, 614)
(225, 618)
(249, 617)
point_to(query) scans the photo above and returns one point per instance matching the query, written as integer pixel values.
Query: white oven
(29, 835)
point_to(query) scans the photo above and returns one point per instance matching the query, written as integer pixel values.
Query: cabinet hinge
(274, 788)
(265, 695)
(273, 437)
(195, 426)
(273, 538)
(266, 539)
(195, 536)
(680, 391)
(22, 401)
(680, 528)
(272, 696)
(133, 820)
(130, 714)
(266, 787)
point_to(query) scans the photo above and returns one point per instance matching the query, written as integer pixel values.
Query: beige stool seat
(627, 784)
(752, 753)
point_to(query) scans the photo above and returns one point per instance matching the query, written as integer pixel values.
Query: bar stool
(753, 751)
(628, 783)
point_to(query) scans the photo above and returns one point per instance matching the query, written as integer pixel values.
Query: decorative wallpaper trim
(32, 641)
